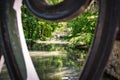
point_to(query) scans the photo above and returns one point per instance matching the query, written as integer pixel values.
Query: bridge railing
(12, 41)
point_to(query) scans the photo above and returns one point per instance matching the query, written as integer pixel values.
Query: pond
(57, 61)
(54, 61)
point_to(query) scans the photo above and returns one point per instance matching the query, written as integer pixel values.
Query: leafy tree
(82, 28)
(35, 28)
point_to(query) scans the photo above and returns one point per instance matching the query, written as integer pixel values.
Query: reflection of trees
(48, 65)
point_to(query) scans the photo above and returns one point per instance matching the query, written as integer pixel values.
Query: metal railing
(12, 41)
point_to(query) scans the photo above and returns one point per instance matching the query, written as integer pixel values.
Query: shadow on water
(57, 61)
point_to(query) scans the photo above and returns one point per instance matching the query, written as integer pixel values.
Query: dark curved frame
(62, 11)
(13, 46)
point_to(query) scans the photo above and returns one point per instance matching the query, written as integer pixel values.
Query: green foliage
(82, 28)
(54, 2)
(35, 28)
(80, 31)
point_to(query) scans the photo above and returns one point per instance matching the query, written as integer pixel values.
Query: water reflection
(57, 61)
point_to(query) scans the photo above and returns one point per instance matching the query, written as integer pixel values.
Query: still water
(54, 62)
(57, 61)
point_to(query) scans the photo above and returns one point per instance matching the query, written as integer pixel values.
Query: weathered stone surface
(113, 65)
